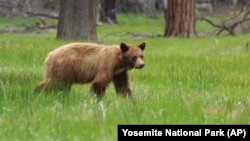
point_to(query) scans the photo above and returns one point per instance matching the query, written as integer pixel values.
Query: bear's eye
(141, 57)
(134, 58)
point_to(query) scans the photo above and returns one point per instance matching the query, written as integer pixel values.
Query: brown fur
(89, 62)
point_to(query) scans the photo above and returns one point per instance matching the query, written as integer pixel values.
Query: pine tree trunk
(77, 20)
(180, 18)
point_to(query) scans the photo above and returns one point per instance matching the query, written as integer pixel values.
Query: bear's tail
(40, 87)
(51, 85)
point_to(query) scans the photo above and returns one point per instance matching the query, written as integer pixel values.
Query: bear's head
(133, 55)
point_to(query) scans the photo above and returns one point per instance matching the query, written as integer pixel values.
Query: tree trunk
(91, 21)
(108, 12)
(77, 20)
(180, 18)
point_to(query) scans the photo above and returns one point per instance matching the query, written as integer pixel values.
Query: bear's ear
(142, 46)
(124, 47)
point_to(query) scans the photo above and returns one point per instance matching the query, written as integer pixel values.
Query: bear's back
(79, 61)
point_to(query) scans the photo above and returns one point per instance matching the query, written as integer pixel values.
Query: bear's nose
(140, 66)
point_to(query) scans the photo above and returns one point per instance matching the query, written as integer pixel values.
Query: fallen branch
(33, 28)
(142, 35)
(43, 15)
(39, 26)
(125, 33)
(230, 27)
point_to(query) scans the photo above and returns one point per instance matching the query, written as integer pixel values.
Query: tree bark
(180, 18)
(77, 20)
(108, 12)
(92, 21)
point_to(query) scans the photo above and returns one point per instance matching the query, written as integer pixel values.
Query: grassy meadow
(203, 80)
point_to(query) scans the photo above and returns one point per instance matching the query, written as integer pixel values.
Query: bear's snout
(139, 63)
(140, 66)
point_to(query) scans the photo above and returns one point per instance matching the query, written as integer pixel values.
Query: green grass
(185, 81)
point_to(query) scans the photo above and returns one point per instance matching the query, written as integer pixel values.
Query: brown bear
(89, 62)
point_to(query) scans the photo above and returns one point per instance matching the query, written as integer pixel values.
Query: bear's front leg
(121, 83)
